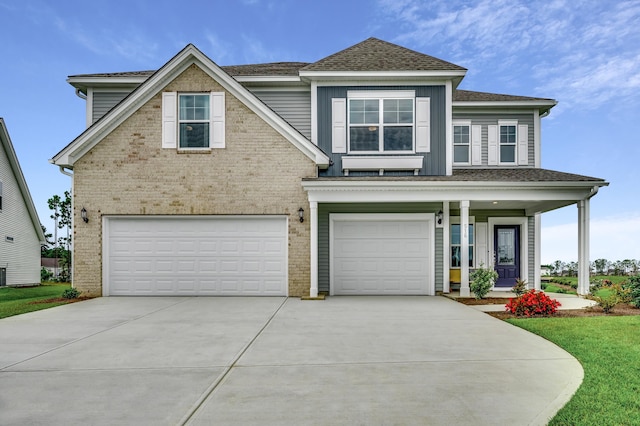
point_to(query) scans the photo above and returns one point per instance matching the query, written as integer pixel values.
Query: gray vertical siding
(487, 119)
(323, 232)
(104, 101)
(434, 163)
(293, 106)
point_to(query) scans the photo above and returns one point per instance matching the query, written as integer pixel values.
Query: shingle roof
(469, 96)
(377, 55)
(513, 175)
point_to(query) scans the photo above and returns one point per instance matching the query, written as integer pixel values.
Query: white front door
(378, 254)
(199, 255)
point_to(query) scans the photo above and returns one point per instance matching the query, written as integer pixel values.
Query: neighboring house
(52, 265)
(366, 172)
(545, 270)
(20, 231)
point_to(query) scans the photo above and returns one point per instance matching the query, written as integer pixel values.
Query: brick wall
(128, 173)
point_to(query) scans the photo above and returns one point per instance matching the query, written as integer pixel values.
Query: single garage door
(381, 254)
(188, 256)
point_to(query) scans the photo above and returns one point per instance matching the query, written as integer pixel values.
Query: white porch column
(464, 248)
(583, 247)
(538, 250)
(313, 223)
(446, 246)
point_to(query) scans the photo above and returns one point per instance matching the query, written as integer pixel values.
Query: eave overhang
(413, 76)
(542, 105)
(531, 197)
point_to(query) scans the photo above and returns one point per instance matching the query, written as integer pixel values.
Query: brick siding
(128, 173)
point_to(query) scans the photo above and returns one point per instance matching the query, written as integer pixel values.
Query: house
(366, 172)
(20, 231)
(53, 265)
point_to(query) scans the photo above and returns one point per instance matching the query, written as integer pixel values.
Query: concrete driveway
(274, 361)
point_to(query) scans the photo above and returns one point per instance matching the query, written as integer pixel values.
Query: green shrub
(543, 286)
(482, 279)
(532, 303)
(634, 290)
(608, 296)
(71, 293)
(520, 288)
(45, 275)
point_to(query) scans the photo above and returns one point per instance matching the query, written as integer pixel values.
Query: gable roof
(5, 143)
(156, 82)
(378, 55)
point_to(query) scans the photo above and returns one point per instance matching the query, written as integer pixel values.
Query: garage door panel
(184, 256)
(386, 256)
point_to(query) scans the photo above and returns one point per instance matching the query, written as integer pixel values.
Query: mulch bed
(59, 299)
(621, 309)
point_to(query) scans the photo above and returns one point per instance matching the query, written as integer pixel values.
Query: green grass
(609, 350)
(18, 300)
(615, 279)
(550, 288)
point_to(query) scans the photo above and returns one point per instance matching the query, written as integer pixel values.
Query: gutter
(64, 172)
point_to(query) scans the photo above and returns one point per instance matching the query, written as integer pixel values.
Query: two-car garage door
(199, 255)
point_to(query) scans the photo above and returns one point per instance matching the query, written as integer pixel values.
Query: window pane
(508, 134)
(471, 233)
(455, 234)
(455, 257)
(363, 111)
(471, 256)
(506, 247)
(398, 111)
(507, 154)
(461, 135)
(461, 154)
(398, 138)
(194, 135)
(364, 138)
(194, 107)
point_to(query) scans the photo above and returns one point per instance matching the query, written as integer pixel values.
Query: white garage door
(195, 256)
(381, 254)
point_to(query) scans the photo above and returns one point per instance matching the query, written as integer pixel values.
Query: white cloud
(583, 51)
(612, 238)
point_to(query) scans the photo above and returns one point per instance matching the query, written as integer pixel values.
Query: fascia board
(380, 75)
(189, 55)
(22, 183)
(446, 185)
(267, 79)
(504, 104)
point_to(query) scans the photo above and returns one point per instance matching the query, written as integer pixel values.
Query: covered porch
(500, 198)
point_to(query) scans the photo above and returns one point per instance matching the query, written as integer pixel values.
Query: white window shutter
(339, 125)
(169, 119)
(481, 245)
(423, 124)
(523, 145)
(476, 145)
(216, 129)
(492, 141)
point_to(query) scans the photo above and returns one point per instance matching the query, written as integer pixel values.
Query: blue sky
(585, 54)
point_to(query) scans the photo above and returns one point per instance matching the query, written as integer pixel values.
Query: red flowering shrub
(532, 303)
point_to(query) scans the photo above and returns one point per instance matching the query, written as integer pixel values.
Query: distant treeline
(597, 267)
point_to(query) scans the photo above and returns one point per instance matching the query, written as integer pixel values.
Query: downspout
(80, 94)
(73, 263)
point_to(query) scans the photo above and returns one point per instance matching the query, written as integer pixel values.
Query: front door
(507, 252)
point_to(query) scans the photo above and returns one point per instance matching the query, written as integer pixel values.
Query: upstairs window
(381, 122)
(507, 140)
(461, 144)
(193, 121)
(0, 195)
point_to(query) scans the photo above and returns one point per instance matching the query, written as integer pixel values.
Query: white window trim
(461, 123)
(180, 121)
(455, 220)
(381, 95)
(515, 144)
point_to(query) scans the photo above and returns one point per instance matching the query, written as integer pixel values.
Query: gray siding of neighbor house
(293, 106)
(488, 119)
(434, 163)
(323, 233)
(104, 101)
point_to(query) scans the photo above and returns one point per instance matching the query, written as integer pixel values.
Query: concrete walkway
(274, 361)
(567, 301)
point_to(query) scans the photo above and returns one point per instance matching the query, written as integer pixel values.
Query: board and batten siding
(19, 243)
(434, 163)
(485, 120)
(324, 210)
(293, 106)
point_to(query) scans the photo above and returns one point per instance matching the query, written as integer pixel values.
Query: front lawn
(609, 350)
(19, 300)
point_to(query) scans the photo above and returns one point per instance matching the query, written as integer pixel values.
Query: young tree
(601, 266)
(62, 219)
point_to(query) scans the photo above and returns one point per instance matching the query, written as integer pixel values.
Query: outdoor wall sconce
(301, 214)
(83, 215)
(439, 217)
